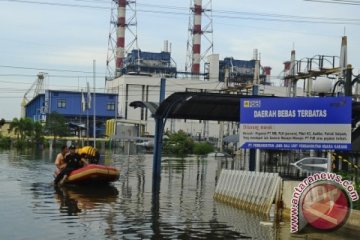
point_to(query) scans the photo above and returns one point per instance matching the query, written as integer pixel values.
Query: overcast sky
(62, 38)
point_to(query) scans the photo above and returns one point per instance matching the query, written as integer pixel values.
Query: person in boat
(60, 159)
(73, 161)
(89, 153)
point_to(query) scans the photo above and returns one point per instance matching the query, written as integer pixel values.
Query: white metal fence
(255, 191)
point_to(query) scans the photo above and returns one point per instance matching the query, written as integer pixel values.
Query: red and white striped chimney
(267, 72)
(120, 33)
(196, 57)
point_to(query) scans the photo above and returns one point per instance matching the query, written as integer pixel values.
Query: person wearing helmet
(90, 154)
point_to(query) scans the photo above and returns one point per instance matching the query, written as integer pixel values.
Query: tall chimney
(267, 72)
(343, 56)
(120, 43)
(166, 46)
(256, 80)
(196, 51)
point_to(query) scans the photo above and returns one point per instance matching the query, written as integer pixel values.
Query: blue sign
(296, 123)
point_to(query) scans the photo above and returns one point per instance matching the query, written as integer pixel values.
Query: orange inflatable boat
(94, 173)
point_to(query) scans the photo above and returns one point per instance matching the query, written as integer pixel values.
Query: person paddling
(60, 159)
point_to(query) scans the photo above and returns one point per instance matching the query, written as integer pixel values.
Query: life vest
(89, 153)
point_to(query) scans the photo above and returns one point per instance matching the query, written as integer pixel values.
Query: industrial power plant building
(142, 83)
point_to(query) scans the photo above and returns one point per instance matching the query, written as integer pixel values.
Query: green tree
(23, 129)
(5, 142)
(56, 126)
(203, 148)
(38, 137)
(179, 144)
(2, 122)
(15, 126)
(27, 125)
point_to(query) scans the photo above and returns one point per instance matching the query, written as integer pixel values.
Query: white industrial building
(146, 87)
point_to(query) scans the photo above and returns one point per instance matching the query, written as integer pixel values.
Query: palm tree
(27, 126)
(38, 136)
(15, 127)
(2, 122)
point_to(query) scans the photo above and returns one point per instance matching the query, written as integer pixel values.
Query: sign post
(296, 123)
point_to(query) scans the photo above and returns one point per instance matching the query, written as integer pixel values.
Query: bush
(20, 144)
(179, 144)
(5, 142)
(203, 148)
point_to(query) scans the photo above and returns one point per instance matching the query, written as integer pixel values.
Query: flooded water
(31, 208)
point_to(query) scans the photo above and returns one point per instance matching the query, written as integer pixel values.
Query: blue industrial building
(240, 71)
(139, 62)
(76, 107)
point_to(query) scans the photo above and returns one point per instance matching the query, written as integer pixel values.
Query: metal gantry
(123, 22)
(200, 35)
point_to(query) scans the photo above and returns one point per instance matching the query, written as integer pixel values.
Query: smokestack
(120, 33)
(292, 63)
(291, 84)
(256, 80)
(255, 54)
(287, 65)
(196, 54)
(267, 72)
(343, 56)
(166, 46)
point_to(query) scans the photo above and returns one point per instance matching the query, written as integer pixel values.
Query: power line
(57, 4)
(336, 2)
(260, 16)
(274, 18)
(44, 69)
(249, 15)
(252, 13)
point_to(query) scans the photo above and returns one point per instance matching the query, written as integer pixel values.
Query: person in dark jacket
(73, 161)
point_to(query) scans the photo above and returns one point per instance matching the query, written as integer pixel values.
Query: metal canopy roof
(202, 106)
(218, 107)
(207, 106)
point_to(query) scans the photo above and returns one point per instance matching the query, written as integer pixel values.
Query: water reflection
(184, 207)
(248, 223)
(75, 199)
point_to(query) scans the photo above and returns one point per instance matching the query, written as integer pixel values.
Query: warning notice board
(296, 123)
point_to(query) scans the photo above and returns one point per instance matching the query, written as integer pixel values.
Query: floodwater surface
(32, 208)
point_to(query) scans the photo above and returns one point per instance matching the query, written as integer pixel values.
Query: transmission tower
(200, 35)
(123, 22)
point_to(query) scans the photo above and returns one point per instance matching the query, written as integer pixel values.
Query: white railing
(255, 191)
